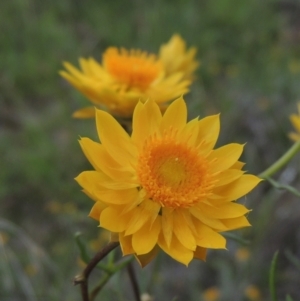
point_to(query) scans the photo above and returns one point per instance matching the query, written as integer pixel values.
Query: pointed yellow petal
(147, 211)
(167, 224)
(175, 115)
(91, 181)
(146, 120)
(237, 165)
(87, 112)
(189, 132)
(176, 250)
(238, 188)
(295, 120)
(112, 220)
(228, 176)
(236, 223)
(228, 210)
(114, 138)
(208, 238)
(96, 210)
(146, 238)
(126, 244)
(207, 220)
(182, 231)
(209, 129)
(119, 197)
(225, 156)
(102, 160)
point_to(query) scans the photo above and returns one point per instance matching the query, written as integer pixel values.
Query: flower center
(173, 174)
(134, 68)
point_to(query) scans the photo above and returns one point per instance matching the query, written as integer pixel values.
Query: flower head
(128, 76)
(165, 186)
(176, 58)
(295, 120)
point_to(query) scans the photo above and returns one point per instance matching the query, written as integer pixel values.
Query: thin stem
(281, 161)
(82, 279)
(98, 288)
(134, 282)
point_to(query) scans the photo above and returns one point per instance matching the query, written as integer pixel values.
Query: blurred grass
(250, 72)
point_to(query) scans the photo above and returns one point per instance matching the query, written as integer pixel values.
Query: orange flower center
(173, 174)
(134, 69)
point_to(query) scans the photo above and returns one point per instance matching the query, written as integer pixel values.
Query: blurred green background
(250, 72)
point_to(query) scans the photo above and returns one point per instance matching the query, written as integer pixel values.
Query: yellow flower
(165, 186)
(295, 120)
(126, 77)
(211, 294)
(253, 293)
(176, 58)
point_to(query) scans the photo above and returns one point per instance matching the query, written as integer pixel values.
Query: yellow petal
(182, 231)
(115, 139)
(126, 244)
(207, 220)
(87, 112)
(143, 260)
(189, 133)
(147, 211)
(175, 115)
(208, 238)
(236, 223)
(96, 210)
(227, 210)
(167, 224)
(200, 253)
(91, 181)
(238, 188)
(119, 197)
(146, 120)
(228, 176)
(294, 136)
(295, 120)
(176, 250)
(237, 165)
(146, 238)
(208, 133)
(112, 220)
(224, 157)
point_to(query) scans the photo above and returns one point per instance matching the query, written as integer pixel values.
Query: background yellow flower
(165, 186)
(177, 58)
(128, 76)
(295, 120)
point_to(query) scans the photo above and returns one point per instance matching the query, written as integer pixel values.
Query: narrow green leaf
(292, 258)
(82, 248)
(238, 239)
(272, 277)
(288, 298)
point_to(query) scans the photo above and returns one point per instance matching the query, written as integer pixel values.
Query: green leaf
(237, 238)
(82, 248)
(272, 277)
(288, 298)
(292, 258)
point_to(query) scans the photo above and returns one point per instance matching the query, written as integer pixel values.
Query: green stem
(281, 161)
(82, 279)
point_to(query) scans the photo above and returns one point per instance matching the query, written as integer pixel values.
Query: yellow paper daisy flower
(128, 76)
(176, 58)
(165, 186)
(295, 120)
